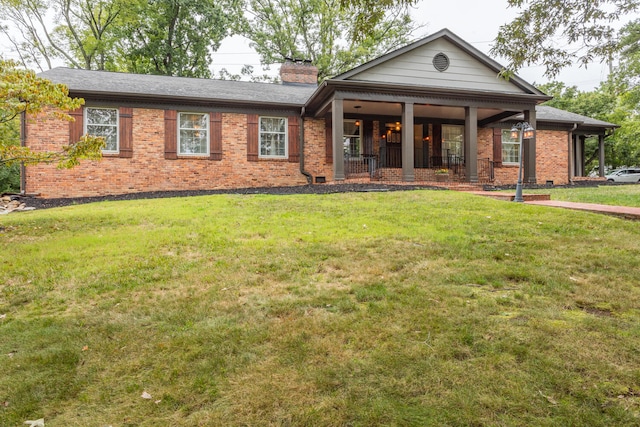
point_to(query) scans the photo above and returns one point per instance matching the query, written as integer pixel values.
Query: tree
(627, 75)
(367, 14)
(605, 103)
(557, 34)
(82, 35)
(21, 91)
(169, 37)
(10, 174)
(175, 37)
(320, 30)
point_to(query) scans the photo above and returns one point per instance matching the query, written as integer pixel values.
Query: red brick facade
(150, 168)
(552, 157)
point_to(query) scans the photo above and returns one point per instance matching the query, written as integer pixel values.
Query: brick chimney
(298, 71)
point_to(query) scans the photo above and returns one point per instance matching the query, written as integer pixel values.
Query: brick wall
(315, 158)
(553, 156)
(148, 170)
(552, 162)
(299, 72)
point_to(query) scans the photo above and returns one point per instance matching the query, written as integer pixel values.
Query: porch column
(583, 143)
(471, 143)
(408, 172)
(572, 156)
(530, 149)
(337, 120)
(601, 156)
(579, 156)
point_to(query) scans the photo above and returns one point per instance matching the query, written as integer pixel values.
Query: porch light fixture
(522, 130)
(398, 126)
(357, 123)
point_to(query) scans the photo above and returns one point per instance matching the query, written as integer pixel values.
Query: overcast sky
(476, 21)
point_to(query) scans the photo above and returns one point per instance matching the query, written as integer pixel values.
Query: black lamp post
(522, 130)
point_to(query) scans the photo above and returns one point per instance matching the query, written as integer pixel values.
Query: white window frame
(508, 140)
(206, 130)
(285, 133)
(358, 135)
(117, 126)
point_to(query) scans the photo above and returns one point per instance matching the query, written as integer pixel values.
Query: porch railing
(369, 166)
(391, 156)
(361, 165)
(485, 170)
(452, 162)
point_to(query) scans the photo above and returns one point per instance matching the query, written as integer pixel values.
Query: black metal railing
(452, 162)
(485, 170)
(391, 156)
(357, 166)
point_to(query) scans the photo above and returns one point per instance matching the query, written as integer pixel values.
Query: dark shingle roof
(142, 86)
(150, 86)
(545, 113)
(552, 114)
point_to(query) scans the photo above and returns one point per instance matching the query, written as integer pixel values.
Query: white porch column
(530, 149)
(601, 159)
(471, 143)
(337, 123)
(408, 172)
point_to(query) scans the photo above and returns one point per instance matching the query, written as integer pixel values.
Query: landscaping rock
(10, 204)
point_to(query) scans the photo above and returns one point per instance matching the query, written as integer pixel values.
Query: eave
(333, 89)
(139, 98)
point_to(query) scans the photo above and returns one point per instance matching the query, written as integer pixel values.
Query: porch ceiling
(368, 108)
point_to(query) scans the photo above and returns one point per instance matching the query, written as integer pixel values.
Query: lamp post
(522, 130)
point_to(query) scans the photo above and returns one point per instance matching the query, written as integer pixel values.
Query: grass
(409, 308)
(617, 195)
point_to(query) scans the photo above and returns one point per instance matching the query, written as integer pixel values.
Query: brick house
(434, 104)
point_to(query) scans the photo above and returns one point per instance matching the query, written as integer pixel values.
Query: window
(452, 142)
(103, 122)
(510, 148)
(352, 138)
(193, 134)
(273, 137)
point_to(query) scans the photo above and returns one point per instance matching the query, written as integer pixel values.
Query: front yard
(406, 308)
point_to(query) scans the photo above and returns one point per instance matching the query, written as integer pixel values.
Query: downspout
(23, 143)
(302, 171)
(571, 153)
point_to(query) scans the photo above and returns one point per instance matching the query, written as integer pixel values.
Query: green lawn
(617, 195)
(409, 308)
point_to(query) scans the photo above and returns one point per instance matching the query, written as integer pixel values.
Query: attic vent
(441, 62)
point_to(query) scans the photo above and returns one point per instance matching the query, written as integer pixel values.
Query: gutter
(23, 143)
(302, 171)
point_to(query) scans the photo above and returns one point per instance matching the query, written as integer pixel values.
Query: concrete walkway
(620, 211)
(545, 200)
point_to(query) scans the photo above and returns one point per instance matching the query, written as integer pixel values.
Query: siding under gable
(416, 68)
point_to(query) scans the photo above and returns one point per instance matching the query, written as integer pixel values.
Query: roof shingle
(152, 86)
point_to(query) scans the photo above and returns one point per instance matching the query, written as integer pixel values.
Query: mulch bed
(40, 203)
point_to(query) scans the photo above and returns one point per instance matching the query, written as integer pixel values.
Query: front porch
(439, 169)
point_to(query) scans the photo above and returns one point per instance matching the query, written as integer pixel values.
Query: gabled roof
(444, 34)
(151, 87)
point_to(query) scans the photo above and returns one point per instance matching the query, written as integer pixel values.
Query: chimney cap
(298, 60)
